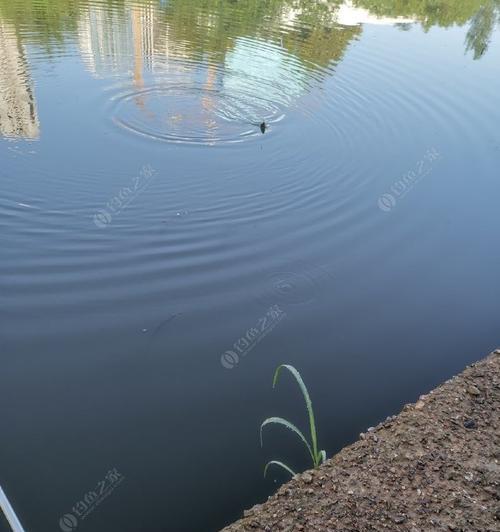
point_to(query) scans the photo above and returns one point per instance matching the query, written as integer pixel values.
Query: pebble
(473, 390)
(470, 424)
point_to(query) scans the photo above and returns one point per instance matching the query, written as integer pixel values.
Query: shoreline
(434, 466)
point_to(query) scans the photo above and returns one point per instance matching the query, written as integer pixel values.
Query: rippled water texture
(194, 192)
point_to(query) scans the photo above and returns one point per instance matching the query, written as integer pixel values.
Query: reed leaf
(307, 399)
(288, 425)
(318, 457)
(280, 464)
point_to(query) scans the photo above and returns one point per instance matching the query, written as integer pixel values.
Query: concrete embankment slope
(435, 466)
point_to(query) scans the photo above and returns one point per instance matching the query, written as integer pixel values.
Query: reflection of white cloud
(349, 15)
(290, 15)
(263, 71)
(18, 115)
(346, 15)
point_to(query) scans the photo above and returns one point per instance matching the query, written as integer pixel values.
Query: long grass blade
(307, 399)
(280, 464)
(288, 425)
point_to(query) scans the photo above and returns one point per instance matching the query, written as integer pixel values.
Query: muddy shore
(435, 466)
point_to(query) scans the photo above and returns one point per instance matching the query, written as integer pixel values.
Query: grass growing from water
(318, 457)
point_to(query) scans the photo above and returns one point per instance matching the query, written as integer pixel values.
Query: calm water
(147, 226)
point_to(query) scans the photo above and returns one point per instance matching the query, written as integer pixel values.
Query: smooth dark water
(147, 227)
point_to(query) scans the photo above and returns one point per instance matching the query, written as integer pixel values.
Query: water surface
(160, 255)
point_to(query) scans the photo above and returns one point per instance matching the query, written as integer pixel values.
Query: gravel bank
(435, 466)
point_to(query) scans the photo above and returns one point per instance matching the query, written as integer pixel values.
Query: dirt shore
(435, 466)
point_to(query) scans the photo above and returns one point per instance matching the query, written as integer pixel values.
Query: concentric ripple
(212, 99)
(302, 283)
(193, 114)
